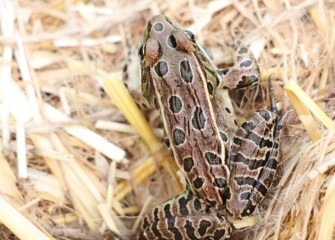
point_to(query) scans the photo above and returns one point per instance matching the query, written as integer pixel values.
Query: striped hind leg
(253, 160)
(184, 217)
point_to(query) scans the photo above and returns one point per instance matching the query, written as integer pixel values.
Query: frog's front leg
(184, 217)
(244, 72)
(253, 160)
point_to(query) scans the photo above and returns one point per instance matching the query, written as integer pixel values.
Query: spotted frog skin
(228, 168)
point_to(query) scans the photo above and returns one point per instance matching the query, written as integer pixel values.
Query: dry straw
(78, 163)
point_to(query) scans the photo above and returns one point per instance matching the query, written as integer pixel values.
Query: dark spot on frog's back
(161, 68)
(212, 158)
(223, 137)
(246, 63)
(198, 119)
(188, 164)
(276, 145)
(198, 182)
(204, 224)
(186, 71)
(190, 230)
(248, 126)
(237, 141)
(172, 41)
(158, 27)
(197, 204)
(220, 183)
(175, 104)
(178, 136)
(264, 114)
(219, 233)
(243, 50)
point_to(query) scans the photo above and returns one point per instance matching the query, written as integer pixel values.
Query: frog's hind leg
(253, 160)
(244, 72)
(184, 217)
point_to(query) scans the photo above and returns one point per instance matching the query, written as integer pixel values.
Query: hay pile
(72, 166)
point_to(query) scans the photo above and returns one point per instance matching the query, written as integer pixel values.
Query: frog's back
(177, 85)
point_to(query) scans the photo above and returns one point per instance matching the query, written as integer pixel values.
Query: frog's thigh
(184, 217)
(244, 73)
(252, 162)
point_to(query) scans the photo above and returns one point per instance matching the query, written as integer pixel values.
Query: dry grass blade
(326, 220)
(87, 136)
(126, 104)
(7, 29)
(304, 107)
(21, 226)
(117, 91)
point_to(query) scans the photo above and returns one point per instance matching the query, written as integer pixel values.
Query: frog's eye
(179, 40)
(190, 35)
(141, 51)
(150, 52)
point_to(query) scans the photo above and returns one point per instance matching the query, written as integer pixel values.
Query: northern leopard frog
(228, 168)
